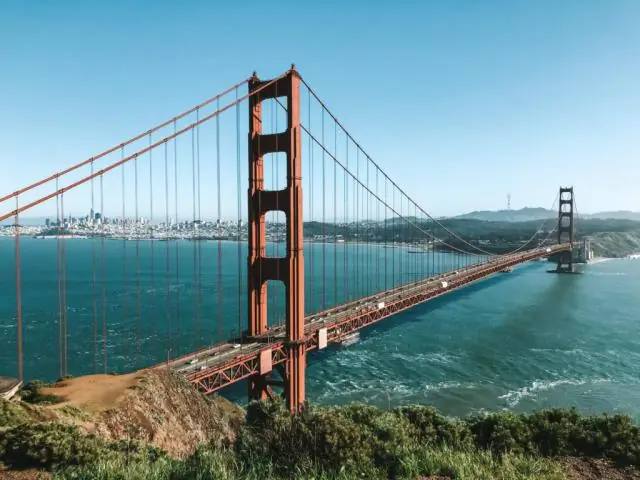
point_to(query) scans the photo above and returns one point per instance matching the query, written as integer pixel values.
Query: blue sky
(460, 102)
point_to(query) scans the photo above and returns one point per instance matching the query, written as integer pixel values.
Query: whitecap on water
(447, 385)
(572, 351)
(434, 357)
(513, 397)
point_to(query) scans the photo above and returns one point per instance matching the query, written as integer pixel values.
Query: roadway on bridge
(209, 361)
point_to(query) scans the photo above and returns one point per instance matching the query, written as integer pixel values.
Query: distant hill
(523, 215)
(528, 214)
(618, 215)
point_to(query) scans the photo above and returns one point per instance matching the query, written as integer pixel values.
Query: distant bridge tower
(289, 269)
(564, 259)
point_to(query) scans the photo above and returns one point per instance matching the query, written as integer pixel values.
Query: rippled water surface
(519, 341)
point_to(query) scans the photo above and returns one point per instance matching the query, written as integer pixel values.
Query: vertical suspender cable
(93, 277)
(312, 246)
(64, 295)
(433, 248)
(356, 209)
(194, 236)
(123, 224)
(347, 207)
(103, 309)
(153, 249)
(378, 252)
(200, 313)
(239, 226)
(324, 220)
(167, 270)
(59, 256)
(345, 296)
(219, 224)
(386, 237)
(367, 231)
(177, 249)
(335, 216)
(18, 293)
(393, 252)
(138, 225)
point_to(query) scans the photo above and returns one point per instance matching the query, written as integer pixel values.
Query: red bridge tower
(565, 229)
(289, 269)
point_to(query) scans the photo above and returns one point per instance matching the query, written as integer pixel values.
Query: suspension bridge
(192, 246)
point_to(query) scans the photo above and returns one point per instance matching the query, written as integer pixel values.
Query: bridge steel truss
(318, 334)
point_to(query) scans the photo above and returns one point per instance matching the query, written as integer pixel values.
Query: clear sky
(461, 102)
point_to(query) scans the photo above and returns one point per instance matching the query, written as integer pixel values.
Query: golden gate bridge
(316, 235)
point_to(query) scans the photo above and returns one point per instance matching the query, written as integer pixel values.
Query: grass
(225, 465)
(75, 412)
(353, 441)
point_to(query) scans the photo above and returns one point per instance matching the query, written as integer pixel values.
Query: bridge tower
(564, 259)
(289, 269)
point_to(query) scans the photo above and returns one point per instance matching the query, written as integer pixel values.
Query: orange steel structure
(261, 349)
(336, 323)
(289, 269)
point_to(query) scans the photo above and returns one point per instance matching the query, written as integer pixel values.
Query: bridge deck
(214, 368)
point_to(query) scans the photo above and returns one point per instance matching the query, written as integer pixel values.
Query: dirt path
(95, 393)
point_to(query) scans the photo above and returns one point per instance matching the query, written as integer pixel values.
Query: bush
(31, 393)
(432, 428)
(343, 442)
(47, 445)
(11, 414)
(53, 445)
(559, 432)
(502, 432)
(328, 438)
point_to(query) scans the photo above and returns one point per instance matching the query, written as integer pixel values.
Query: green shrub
(11, 414)
(53, 445)
(559, 432)
(75, 412)
(31, 393)
(342, 442)
(432, 428)
(502, 432)
(47, 445)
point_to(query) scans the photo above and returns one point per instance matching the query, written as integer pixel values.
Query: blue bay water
(518, 341)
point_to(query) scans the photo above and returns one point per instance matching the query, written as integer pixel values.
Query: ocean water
(522, 341)
(519, 341)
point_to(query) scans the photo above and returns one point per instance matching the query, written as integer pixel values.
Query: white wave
(513, 397)
(572, 351)
(437, 358)
(353, 359)
(434, 357)
(606, 274)
(446, 385)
